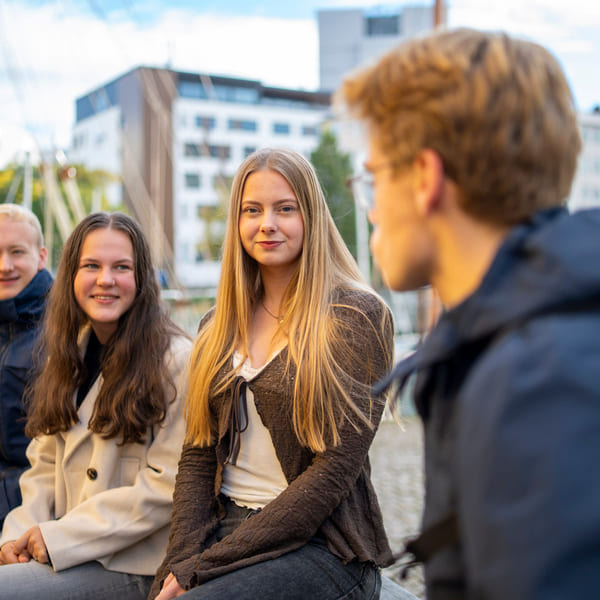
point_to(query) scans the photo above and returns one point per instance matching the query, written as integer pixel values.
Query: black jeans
(309, 573)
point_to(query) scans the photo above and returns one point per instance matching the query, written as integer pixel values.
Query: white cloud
(275, 51)
(568, 27)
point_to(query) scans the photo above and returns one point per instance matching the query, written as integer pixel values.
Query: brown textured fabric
(330, 493)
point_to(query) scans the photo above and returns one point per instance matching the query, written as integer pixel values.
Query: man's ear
(428, 180)
(42, 258)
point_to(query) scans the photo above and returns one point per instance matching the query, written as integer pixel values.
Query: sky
(53, 51)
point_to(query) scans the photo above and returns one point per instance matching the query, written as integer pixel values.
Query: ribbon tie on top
(238, 418)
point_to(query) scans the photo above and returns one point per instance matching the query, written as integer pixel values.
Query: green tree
(333, 168)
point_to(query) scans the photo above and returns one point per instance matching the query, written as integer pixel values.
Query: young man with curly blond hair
(473, 143)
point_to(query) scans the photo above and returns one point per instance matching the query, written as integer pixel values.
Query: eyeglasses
(362, 189)
(362, 184)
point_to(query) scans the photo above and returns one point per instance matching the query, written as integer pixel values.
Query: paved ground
(397, 472)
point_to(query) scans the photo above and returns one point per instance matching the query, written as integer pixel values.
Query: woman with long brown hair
(106, 419)
(273, 497)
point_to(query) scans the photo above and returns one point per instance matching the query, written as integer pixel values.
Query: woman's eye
(123, 268)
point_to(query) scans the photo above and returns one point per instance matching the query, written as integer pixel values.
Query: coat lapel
(80, 432)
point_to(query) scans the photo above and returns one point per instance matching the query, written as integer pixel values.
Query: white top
(257, 477)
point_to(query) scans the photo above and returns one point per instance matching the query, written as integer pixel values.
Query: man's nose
(6, 263)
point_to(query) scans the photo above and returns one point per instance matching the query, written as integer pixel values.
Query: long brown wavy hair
(136, 382)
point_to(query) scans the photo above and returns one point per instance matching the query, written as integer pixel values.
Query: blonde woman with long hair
(273, 497)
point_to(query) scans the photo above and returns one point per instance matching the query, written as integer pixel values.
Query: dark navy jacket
(19, 328)
(508, 389)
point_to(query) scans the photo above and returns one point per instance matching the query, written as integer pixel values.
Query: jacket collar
(552, 261)
(28, 304)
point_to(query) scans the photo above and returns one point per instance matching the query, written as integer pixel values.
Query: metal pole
(429, 304)
(362, 242)
(27, 187)
(437, 15)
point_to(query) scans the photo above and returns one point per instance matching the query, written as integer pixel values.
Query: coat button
(92, 474)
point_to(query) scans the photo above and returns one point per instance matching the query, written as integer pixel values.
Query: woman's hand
(7, 554)
(170, 589)
(31, 545)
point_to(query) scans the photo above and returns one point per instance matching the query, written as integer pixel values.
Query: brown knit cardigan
(330, 492)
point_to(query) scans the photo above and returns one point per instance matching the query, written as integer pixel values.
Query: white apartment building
(172, 137)
(585, 191)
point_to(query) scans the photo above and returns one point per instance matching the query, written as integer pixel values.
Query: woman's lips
(269, 244)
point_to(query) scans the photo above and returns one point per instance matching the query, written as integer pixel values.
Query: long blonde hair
(315, 339)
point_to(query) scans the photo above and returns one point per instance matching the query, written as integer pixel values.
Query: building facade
(585, 191)
(175, 140)
(350, 38)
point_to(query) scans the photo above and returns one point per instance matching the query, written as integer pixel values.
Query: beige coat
(96, 500)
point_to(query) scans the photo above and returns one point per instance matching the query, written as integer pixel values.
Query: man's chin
(10, 289)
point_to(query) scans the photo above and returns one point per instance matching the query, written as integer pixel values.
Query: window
(212, 150)
(205, 122)
(79, 140)
(191, 89)
(192, 180)
(382, 25)
(289, 102)
(200, 253)
(309, 130)
(217, 151)
(248, 150)
(281, 128)
(222, 181)
(192, 150)
(242, 125)
(229, 93)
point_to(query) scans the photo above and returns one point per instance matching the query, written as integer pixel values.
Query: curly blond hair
(498, 111)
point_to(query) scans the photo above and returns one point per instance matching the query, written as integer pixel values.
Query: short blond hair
(498, 111)
(20, 214)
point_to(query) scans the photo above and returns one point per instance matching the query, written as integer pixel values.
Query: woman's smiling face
(270, 224)
(104, 285)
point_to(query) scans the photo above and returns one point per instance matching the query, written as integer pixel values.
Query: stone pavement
(397, 473)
